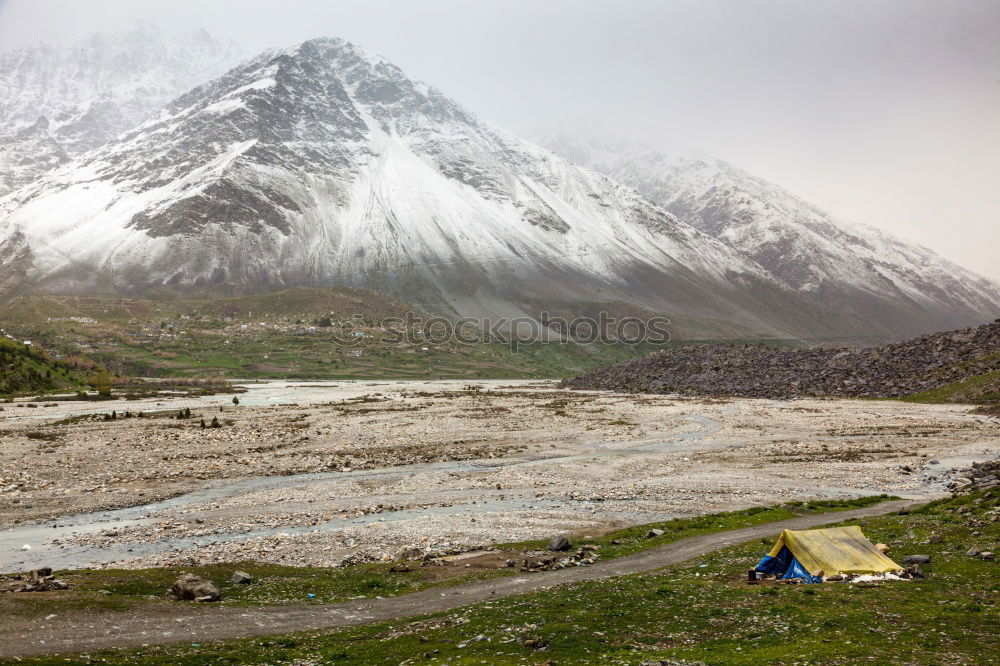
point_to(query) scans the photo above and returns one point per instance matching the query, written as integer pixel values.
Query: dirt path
(187, 623)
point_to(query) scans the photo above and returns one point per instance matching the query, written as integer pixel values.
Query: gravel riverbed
(316, 474)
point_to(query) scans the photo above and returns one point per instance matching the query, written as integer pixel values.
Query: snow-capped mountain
(850, 267)
(325, 164)
(58, 102)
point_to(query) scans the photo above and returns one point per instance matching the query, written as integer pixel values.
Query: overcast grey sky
(880, 111)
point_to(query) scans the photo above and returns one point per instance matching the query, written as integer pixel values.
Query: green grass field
(981, 389)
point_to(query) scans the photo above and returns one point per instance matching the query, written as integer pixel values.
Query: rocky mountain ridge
(323, 164)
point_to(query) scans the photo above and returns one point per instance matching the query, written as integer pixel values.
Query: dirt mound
(901, 369)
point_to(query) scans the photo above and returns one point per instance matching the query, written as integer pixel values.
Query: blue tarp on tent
(784, 565)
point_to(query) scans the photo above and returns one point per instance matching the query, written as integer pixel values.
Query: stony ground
(362, 471)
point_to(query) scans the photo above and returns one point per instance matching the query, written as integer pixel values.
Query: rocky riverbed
(368, 470)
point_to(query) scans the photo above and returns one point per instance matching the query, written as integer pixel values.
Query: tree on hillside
(101, 382)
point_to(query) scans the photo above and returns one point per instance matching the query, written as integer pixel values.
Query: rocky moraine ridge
(756, 371)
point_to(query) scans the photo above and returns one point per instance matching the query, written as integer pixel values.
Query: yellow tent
(815, 554)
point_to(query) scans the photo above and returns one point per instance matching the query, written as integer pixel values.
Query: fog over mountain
(847, 266)
(61, 101)
(326, 164)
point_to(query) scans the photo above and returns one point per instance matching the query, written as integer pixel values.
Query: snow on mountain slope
(56, 103)
(854, 268)
(324, 164)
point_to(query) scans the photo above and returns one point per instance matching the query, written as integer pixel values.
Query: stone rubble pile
(980, 476)
(582, 557)
(39, 580)
(758, 371)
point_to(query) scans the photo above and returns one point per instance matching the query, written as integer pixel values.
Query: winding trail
(174, 623)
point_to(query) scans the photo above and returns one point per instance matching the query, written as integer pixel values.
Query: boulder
(986, 555)
(653, 533)
(241, 578)
(412, 553)
(193, 588)
(917, 559)
(559, 544)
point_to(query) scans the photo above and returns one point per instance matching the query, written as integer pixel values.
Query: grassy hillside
(24, 369)
(332, 332)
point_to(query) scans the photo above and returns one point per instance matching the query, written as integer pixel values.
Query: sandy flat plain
(316, 473)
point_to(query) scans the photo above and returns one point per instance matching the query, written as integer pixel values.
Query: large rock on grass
(917, 559)
(194, 588)
(241, 578)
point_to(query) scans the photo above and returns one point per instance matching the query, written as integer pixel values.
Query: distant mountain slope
(58, 102)
(852, 268)
(340, 303)
(324, 164)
